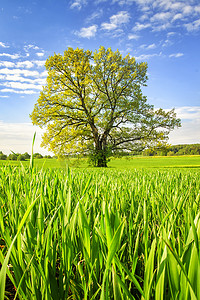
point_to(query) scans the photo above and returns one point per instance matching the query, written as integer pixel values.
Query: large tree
(93, 103)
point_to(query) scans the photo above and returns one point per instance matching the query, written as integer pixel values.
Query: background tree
(37, 155)
(12, 156)
(3, 156)
(21, 157)
(92, 102)
(26, 155)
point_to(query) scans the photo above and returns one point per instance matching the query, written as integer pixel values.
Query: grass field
(118, 163)
(130, 231)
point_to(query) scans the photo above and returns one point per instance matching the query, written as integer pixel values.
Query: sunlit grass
(129, 162)
(100, 234)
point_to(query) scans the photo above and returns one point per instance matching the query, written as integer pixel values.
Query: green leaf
(5, 263)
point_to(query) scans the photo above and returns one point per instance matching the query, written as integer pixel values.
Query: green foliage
(99, 158)
(26, 155)
(3, 156)
(12, 156)
(100, 233)
(95, 99)
(21, 157)
(170, 150)
(186, 149)
(37, 155)
(48, 156)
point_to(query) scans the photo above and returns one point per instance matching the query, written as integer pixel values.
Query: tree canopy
(93, 103)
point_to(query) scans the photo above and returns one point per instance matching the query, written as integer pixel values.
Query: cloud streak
(176, 55)
(163, 14)
(3, 45)
(20, 76)
(87, 32)
(12, 56)
(116, 21)
(78, 4)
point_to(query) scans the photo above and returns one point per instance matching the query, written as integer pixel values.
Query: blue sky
(164, 33)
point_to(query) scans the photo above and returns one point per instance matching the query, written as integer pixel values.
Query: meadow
(129, 162)
(130, 231)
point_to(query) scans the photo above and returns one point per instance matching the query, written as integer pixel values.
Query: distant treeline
(21, 157)
(185, 149)
(168, 150)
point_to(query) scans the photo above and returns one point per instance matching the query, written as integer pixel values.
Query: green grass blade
(183, 269)
(32, 159)
(5, 263)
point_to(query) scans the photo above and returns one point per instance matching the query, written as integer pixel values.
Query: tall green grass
(99, 234)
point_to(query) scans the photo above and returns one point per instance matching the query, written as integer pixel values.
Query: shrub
(12, 156)
(3, 156)
(21, 157)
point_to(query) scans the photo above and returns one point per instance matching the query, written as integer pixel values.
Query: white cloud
(7, 64)
(22, 79)
(152, 46)
(145, 5)
(145, 57)
(28, 92)
(161, 20)
(167, 4)
(12, 56)
(193, 26)
(178, 16)
(169, 34)
(176, 6)
(22, 86)
(197, 9)
(25, 73)
(161, 27)
(78, 4)
(167, 43)
(31, 47)
(18, 137)
(176, 55)
(144, 17)
(148, 47)
(116, 33)
(162, 16)
(95, 15)
(40, 54)
(132, 36)
(139, 26)
(108, 26)
(116, 20)
(121, 18)
(24, 64)
(44, 74)
(99, 1)
(189, 133)
(39, 63)
(87, 32)
(187, 9)
(188, 113)
(3, 45)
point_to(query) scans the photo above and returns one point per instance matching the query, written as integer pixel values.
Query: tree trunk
(101, 157)
(101, 161)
